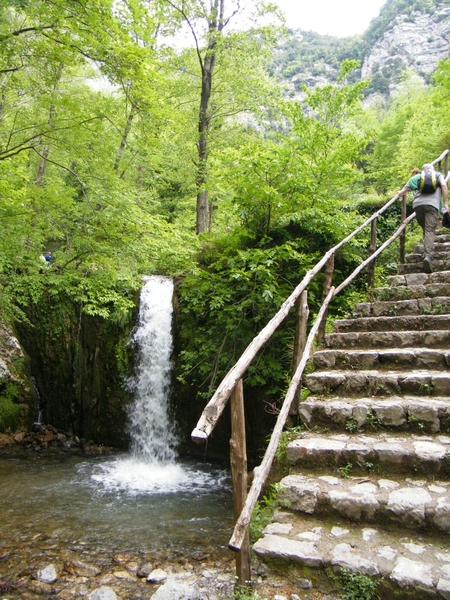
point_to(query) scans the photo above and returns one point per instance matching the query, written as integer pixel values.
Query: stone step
(418, 279)
(438, 255)
(417, 267)
(406, 566)
(418, 306)
(413, 358)
(411, 292)
(439, 246)
(380, 452)
(411, 503)
(417, 415)
(389, 339)
(396, 323)
(375, 382)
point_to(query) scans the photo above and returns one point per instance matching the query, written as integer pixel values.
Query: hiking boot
(427, 264)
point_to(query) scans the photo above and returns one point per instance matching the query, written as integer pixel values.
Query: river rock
(145, 570)
(81, 569)
(48, 574)
(103, 593)
(157, 576)
(174, 590)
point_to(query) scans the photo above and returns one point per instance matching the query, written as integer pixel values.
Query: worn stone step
(412, 503)
(362, 453)
(438, 255)
(389, 339)
(417, 415)
(375, 382)
(439, 246)
(417, 267)
(442, 235)
(413, 358)
(397, 323)
(406, 566)
(417, 306)
(411, 292)
(418, 279)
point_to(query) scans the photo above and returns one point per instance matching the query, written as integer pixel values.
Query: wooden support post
(326, 288)
(238, 460)
(372, 249)
(301, 327)
(403, 235)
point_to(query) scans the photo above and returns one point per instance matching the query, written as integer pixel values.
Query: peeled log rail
(216, 405)
(263, 470)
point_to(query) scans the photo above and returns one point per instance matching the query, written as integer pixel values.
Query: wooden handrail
(262, 471)
(229, 385)
(215, 406)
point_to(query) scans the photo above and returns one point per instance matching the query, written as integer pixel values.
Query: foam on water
(134, 477)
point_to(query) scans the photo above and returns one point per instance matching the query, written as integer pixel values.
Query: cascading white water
(152, 467)
(152, 433)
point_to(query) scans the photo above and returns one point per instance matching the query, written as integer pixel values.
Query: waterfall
(152, 467)
(152, 434)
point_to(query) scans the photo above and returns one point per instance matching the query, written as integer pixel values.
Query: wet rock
(48, 574)
(145, 570)
(123, 575)
(157, 576)
(82, 569)
(103, 593)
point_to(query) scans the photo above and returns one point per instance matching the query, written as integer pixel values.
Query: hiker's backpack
(429, 182)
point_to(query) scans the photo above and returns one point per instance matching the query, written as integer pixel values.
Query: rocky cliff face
(415, 42)
(411, 41)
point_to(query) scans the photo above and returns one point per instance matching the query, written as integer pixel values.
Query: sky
(331, 17)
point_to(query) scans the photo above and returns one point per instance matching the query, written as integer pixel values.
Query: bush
(11, 414)
(357, 586)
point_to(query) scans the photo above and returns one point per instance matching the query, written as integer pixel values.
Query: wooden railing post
(238, 460)
(301, 327)
(403, 235)
(372, 249)
(326, 288)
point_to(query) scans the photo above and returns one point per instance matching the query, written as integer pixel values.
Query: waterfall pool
(103, 506)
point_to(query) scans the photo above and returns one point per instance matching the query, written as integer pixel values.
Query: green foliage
(357, 586)
(225, 305)
(245, 593)
(346, 470)
(11, 414)
(287, 436)
(263, 512)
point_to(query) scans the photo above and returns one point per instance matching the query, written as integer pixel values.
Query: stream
(87, 516)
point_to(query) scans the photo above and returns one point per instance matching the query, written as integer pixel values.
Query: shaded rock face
(16, 394)
(78, 366)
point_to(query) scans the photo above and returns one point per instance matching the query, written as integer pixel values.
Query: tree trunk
(215, 25)
(123, 141)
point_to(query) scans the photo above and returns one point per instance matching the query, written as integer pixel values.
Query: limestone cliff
(415, 42)
(409, 36)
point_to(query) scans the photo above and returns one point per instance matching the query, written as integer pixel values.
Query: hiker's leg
(429, 228)
(420, 218)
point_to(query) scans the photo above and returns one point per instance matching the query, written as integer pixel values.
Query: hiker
(429, 188)
(48, 258)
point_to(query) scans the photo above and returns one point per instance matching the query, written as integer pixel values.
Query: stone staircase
(369, 484)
